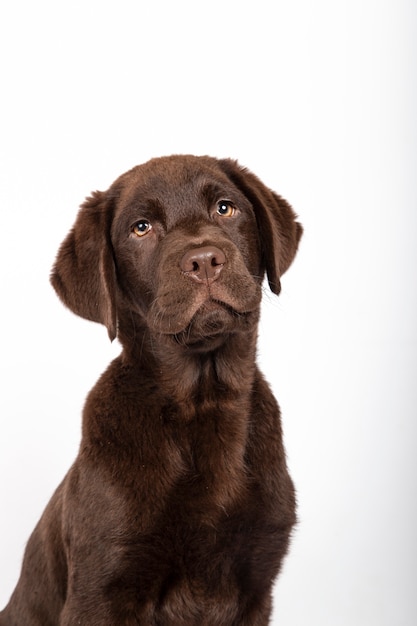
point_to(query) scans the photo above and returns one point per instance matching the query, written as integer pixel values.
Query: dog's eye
(142, 228)
(225, 208)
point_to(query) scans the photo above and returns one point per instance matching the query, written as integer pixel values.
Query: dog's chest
(191, 533)
(197, 467)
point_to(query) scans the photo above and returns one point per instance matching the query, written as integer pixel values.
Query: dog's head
(179, 244)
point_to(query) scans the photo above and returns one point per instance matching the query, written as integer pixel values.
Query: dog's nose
(203, 264)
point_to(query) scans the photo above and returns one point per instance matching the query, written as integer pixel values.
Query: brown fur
(179, 507)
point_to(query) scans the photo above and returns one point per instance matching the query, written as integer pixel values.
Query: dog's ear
(279, 231)
(84, 275)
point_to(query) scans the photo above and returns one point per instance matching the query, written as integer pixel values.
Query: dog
(178, 509)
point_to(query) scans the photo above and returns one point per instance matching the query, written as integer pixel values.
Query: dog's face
(182, 243)
(187, 251)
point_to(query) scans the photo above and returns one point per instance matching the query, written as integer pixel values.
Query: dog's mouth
(204, 316)
(211, 325)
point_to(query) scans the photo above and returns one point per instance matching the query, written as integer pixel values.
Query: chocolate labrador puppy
(179, 507)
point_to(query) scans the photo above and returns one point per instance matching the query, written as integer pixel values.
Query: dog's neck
(188, 375)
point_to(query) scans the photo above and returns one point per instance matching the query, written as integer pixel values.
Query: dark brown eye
(225, 208)
(142, 228)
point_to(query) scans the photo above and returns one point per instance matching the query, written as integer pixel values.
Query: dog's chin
(210, 327)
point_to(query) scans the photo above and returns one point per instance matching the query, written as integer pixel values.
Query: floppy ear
(279, 231)
(84, 274)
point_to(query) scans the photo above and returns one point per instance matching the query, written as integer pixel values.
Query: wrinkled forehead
(178, 186)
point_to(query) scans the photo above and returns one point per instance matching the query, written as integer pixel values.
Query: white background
(319, 100)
